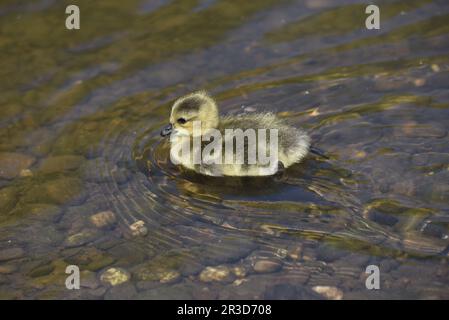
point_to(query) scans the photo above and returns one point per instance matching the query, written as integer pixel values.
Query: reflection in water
(79, 123)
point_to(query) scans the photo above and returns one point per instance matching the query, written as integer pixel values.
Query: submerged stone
(228, 250)
(219, 274)
(129, 253)
(89, 280)
(26, 173)
(60, 163)
(38, 212)
(170, 277)
(162, 276)
(80, 238)
(41, 271)
(7, 268)
(239, 271)
(267, 266)
(180, 261)
(91, 259)
(331, 293)
(11, 164)
(138, 229)
(115, 276)
(62, 190)
(104, 219)
(328, 253)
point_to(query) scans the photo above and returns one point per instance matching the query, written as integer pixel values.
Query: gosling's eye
(181, 120)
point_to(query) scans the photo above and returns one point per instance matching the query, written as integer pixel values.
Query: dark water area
(86, 180)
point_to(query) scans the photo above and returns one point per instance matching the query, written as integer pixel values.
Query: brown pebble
(138, 228)
(435, 68)
(331, 293)
(219, 273)
(7, 269)
(266, 266)
(103, 219)
(419, 82)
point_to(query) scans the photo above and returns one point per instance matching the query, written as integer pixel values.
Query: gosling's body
(293, 143)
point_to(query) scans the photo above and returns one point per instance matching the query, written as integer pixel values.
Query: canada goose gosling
(231, 145)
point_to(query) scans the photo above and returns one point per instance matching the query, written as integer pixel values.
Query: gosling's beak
(167, 130)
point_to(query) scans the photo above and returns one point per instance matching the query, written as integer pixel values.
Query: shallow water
(80, 114)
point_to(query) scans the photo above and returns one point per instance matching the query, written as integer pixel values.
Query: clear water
(81, 111)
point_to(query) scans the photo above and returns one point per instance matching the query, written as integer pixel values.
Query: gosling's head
(197, 106)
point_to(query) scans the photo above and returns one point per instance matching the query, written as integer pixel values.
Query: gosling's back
(293, 143)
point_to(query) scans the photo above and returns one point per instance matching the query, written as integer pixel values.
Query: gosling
(196, 116)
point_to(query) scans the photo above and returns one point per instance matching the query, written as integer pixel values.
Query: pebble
(228, 251)
(11, 253)
(314, 112)
(239, 271)
(61, 190)
(267, 266)
(331, 293)
(239, 282)
(60, 163)
(419, 82)
(11, 164)
(129, 253)
(43, 212)
(104, 219)
(295, 253)
(156, 274)
(435, 68)
(89, 280)
(219, 273)
(170, 277)
(90, 258)
(115, 276)
(7, 269)
(329, 253)
(41, 271)
(26, 173)
(138, 228)
(281, 253)
(80, 238)
(249, 109)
